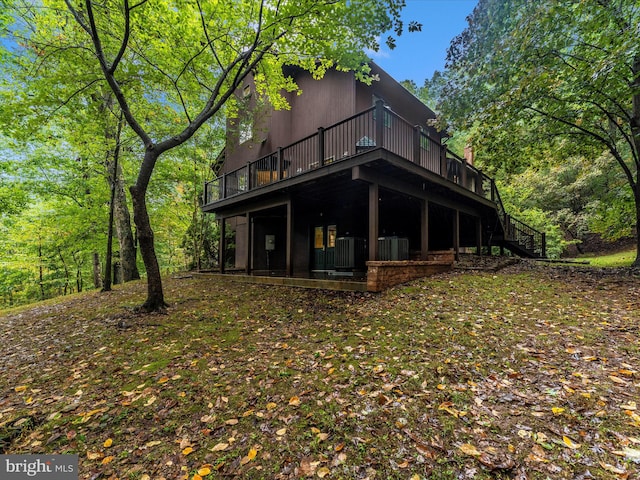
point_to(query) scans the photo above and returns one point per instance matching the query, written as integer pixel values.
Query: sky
(417, 55)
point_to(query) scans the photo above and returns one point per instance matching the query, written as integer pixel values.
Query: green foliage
(541, 83)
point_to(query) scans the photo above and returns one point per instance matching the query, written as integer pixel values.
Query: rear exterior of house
(351, 174)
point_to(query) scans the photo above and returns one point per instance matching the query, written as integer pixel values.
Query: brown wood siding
(322, 103)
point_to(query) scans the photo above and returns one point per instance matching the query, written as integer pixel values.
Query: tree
(528, 74)
(183, 62)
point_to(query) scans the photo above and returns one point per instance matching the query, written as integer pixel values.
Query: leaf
(323, 472)
(187, 451)
(204, 471)
(294, 401)
(219, 447)
(610, 468)
(94, 455)
(281, 432)
(232, 421)
(163, 380)
(557, 410)
(271, 406)
(150, 401)
(570, 443)
(250, 456)
(469, 449)
(21, 388)
(629, 453)
(107, 443)
(108, 459)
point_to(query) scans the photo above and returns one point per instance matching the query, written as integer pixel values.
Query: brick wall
(382, 275)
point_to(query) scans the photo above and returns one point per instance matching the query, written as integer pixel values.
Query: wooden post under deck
(373, 221)
(289, 252)
(223, 245)
(456, 233)
(479, 236)
(424, 230)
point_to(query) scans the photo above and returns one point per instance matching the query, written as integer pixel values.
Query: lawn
(618, 259)
(532, 372)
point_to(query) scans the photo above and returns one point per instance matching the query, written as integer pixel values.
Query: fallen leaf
(163, 380)
(469, 449)
(20, 388)
(94, 455)
(232, 421)
(557, 410)
(323, 472)
(250, 456)
(204, 471)
(294, 401)
(610, 468)
(187, 451)
(629, 453)
(152, 443)
(281, 432)
(219, 447)
(570, 443)
(108, 459)
(271, 406)
(107, 443)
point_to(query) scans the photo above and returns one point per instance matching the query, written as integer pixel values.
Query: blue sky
(417, 55)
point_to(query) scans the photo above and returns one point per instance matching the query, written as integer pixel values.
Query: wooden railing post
(223, 193)
(544, 245)
(443, 161)
(463, 174)
(279, 164)
(416, 144)
(249, 182)
(380, 114)
(321, 146)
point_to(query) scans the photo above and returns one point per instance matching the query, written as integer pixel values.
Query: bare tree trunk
(155, 296)
(97, 276)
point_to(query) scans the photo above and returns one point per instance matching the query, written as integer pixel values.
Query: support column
(479, 236)
(373, 221)
(223, 246)
(249, 240)
(424, 230)
(456, 233)
(289, 253)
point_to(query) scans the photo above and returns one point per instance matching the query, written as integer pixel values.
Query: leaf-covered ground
(532, 372)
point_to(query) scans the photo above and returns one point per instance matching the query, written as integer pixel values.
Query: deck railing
(375, 127)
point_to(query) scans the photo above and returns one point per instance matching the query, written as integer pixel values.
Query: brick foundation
(384, 274)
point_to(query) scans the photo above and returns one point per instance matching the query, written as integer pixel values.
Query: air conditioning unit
(350, 253)
(393, 248)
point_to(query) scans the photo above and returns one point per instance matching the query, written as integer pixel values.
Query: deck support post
(249, 240)
(456, 233)
(223, 245)
(289, 252)
(373, 221)
(424, 230)
(479, 236)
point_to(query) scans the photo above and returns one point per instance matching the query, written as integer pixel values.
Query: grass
(528, 373)
(619, 259)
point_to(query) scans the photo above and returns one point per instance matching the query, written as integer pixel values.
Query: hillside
(532, 372)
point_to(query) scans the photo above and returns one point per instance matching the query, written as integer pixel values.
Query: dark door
(324, 247)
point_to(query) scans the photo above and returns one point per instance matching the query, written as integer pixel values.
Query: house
(352, 173)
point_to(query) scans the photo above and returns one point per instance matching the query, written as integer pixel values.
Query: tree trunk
(155, 296)
(97, 277)
(123, 230)
(635, 132)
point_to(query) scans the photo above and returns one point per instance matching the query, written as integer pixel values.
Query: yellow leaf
(107, 443)
(108, 459)
(94, 455)
(204, 471)
(219, 447)
(323, 472)
(152, 443)
(163, 380)
(187, 451)
(294, 401)
(232, 421)
(570, 443)
(271, 406)
(315, 430)
(150, 401)
(281, 432)
(196, 477)
(252, 453)
(323, 436)
(557, 410)
(618, 380)
(21, 388)
(469, 449)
